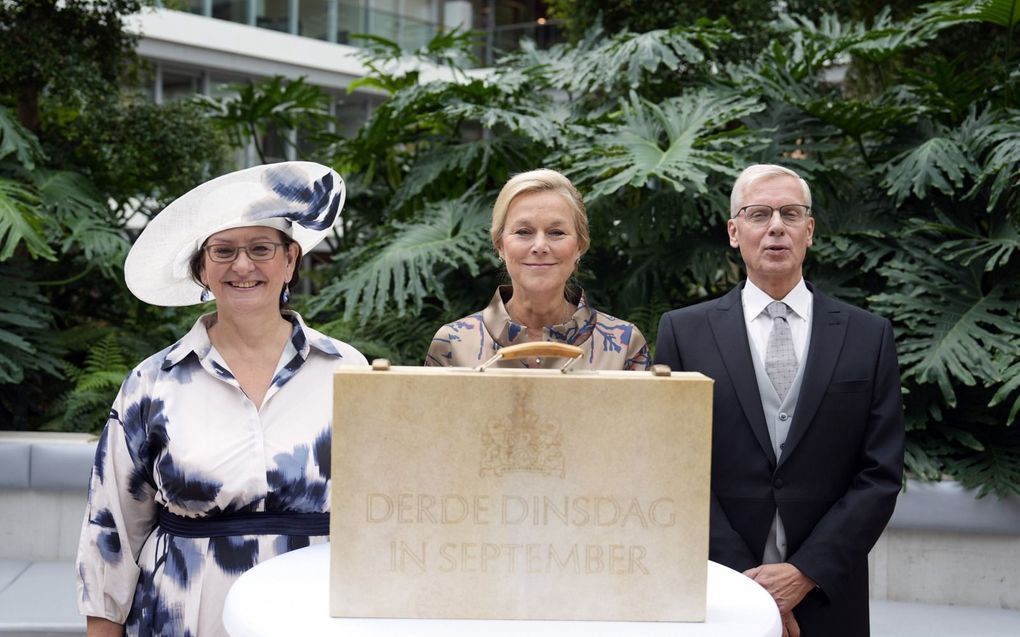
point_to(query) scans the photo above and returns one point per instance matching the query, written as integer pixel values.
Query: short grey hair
(756, 172)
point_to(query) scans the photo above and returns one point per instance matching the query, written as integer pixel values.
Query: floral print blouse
(608, 342)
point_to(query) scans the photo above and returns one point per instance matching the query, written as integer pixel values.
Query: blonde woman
(540, 231)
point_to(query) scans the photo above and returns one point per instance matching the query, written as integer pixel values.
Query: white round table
(289, 595)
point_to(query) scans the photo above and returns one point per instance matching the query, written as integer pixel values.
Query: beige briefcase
(519, 494)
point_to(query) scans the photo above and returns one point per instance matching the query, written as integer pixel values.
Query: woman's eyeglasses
(261, 251)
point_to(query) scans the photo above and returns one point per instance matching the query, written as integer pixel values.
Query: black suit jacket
(841, 468)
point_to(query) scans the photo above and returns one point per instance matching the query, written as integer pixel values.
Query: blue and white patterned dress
(608, 342)
(182, 435)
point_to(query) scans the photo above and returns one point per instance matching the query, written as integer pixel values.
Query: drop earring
(285, 295)
(206, 294)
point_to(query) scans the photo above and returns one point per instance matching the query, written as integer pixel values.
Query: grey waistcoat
(778, 418)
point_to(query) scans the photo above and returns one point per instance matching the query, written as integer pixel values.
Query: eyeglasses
(793, 214)
(261, 251)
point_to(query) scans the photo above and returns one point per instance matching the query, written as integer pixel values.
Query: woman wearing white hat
(216, 453)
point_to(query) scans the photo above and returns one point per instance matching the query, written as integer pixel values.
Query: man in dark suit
(807, 439)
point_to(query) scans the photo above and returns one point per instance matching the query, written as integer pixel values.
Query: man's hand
(785, 583)
(790, 626)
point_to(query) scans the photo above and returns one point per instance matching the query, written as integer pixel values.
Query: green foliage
(87, 224)
(79, 156)
(939, 163)
(257, 107)
(15, 139)
(677, 142)
(953, 323)
(26, 344)
(59, 56)
(392, 68)
(19, 221)
(402, 265)
(86, 405)
(907, 138)
(1004, 13)
(901, 117)
(144, 155)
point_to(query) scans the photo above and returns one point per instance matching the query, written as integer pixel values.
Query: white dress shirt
(759, 324)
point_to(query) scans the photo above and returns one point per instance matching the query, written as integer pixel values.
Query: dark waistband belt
(257, 523)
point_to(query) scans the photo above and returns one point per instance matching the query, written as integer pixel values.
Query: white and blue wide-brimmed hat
(301, 199)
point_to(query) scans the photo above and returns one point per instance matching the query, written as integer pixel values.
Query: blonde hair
(541, 180)
(757, 172)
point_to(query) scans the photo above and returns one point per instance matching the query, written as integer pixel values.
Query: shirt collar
(506, 332)
(755, 300)
(303, 339)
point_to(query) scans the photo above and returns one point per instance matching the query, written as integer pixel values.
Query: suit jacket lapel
(730, 331)
(828, 330)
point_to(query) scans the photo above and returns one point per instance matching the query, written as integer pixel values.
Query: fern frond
(86, 405)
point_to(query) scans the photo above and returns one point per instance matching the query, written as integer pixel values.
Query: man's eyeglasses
(261, 251)
(793, 214)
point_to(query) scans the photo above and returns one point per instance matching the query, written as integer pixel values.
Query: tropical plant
(914, 168)
(252, 110)
(86, 405)
(79, 156)
(903, 120)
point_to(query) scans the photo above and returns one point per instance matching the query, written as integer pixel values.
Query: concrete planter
(945, 546)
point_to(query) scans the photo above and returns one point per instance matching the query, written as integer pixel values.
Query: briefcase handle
(536, 349)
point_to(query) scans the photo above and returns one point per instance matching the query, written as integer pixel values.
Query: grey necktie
(780, 357)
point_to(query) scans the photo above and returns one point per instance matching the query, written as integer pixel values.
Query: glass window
(352, 111)
(274, 147)
(521, 19)
(221, 85)
(419, 23)
(383, 19)
(178, 84)
(193, 6)
(351, 19)
(313, 18)
(273, 14)
(232, 10)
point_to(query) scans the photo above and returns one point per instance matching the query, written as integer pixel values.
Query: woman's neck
(250, 333)
(538, 312)
(251, 346)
